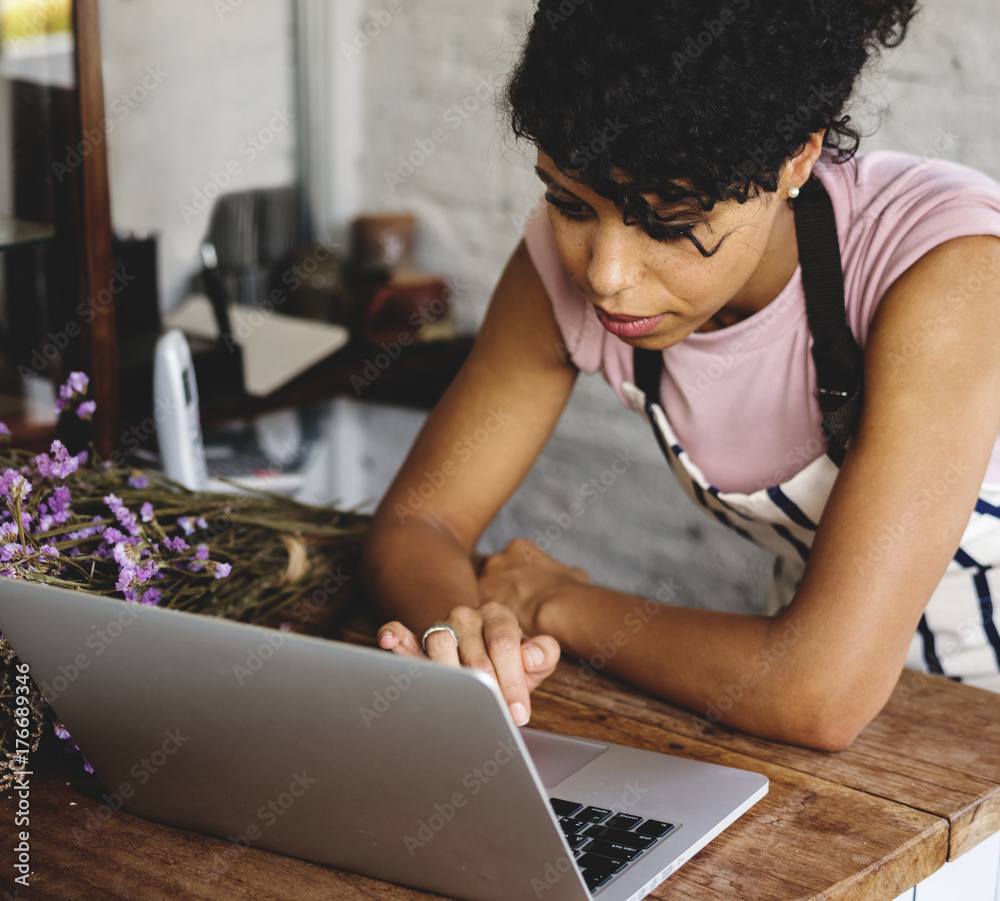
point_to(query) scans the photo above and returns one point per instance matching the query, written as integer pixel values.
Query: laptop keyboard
(604, 843)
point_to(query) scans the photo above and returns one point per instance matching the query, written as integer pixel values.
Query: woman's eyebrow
(552, 183)
(666, 213)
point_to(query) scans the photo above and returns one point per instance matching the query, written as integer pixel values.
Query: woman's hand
(521, 577)
(497, 637)
(489, 640)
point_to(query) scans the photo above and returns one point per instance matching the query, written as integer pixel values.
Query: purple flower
(14, 486)
(133, 571)
(202, 552)
(4, 430)
(151, 597)
(8, 531)
(10, 550)
(125, 516)
(122, 556)
(60, 465)
(185, 523)
(200, 522)
(175, 544)
(113, 536)
(147, 512)
(138, 480)
(76, 384)
(86, 409)
(7, 479)
(71, 746)
(74, 389)
(126, 565)
(222, 570)
(146, 571)
(88, 532)
(49, 550)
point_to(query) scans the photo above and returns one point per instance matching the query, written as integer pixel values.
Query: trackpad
(557, 757)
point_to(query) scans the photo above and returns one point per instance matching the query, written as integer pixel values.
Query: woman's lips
(628, 326)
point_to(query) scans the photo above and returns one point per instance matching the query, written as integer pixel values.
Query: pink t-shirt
(742, 399)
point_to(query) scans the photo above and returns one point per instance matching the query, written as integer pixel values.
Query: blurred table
(416, 377)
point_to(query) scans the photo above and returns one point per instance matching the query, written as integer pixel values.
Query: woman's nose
(615, 260)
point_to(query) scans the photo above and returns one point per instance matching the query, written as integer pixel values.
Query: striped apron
(958, 632)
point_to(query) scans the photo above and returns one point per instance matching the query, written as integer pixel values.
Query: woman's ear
(799, 167)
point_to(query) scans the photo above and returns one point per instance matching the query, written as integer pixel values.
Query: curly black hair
(694, 101)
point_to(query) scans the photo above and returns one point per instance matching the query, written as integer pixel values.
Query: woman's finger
(442, 647)
(397, 638)
(502, 636)
(540, 654)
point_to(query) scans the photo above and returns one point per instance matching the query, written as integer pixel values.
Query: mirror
(200, 102)
(37, 96)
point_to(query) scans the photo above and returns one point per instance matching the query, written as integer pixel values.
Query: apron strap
(838, 359)
(647, 365)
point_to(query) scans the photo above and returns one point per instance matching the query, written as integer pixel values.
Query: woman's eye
(567, 208)
(670, 235)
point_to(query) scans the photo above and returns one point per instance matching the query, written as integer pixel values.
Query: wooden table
(919, 787)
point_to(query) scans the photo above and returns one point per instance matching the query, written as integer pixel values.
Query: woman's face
(652, 293)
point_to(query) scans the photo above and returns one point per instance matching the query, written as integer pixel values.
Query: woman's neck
(775, 270)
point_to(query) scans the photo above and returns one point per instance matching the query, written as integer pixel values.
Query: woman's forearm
(757, 674)
(416, 573)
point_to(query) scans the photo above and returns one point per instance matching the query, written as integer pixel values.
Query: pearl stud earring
(793, 192)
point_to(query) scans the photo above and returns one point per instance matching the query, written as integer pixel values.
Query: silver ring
(437, 627)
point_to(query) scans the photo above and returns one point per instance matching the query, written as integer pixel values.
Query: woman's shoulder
(892, 209)
(884, 183)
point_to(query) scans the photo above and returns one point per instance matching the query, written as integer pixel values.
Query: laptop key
(575, 840)
(611, 849)
(654, 828)
(570, 826)
(590, 861)
(593, 814)
(621, 836)
(623, 820)
(594, 878)
(564, 808)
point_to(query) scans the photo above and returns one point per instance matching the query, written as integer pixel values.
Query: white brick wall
(938, 91)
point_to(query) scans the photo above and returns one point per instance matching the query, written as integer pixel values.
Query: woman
(686, 150)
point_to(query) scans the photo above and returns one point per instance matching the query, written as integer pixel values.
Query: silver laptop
(400, 769)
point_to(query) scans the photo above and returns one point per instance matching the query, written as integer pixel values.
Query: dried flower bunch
(76, 522)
